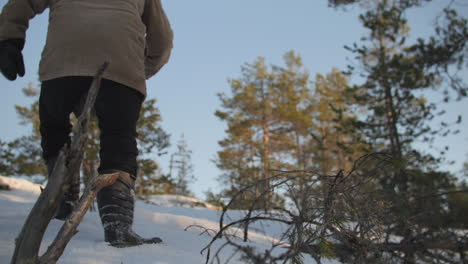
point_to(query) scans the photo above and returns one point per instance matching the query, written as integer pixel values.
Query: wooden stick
(29, 240)
(30, 237)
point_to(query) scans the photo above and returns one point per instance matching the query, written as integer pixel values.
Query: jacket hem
(139, 86)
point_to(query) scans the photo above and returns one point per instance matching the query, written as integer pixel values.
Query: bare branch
(342, 216)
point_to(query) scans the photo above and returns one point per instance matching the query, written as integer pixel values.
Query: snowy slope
(159, 218)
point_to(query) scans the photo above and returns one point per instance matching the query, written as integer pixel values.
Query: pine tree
(181, 165)
(24, 153)
(336, 142)
(293, 106)
(267, 117)
(5, 156)
(152, 139)
(396, 75)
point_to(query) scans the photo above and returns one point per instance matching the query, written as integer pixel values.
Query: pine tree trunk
(399, 177)
(266, 165)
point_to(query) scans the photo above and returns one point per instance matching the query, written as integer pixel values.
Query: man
(135, 37)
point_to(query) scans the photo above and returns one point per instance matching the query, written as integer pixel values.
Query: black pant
(117, 109)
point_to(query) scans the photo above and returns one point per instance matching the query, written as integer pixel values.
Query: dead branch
(30, 237)
(69, 228)
(68, 162)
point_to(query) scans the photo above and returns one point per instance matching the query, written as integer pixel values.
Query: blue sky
(212, 40)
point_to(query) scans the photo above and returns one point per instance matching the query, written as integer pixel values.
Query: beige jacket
(133, 35)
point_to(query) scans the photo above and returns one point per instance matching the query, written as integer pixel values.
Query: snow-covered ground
(165, 216)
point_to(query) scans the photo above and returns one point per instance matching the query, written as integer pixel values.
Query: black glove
(11, 59)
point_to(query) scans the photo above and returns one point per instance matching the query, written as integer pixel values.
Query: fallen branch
(69, 160)
(68, 229)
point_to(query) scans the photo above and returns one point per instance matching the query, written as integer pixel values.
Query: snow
(166, 216)
(20, 184)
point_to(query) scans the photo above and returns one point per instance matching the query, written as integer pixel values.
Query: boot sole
(126, 245)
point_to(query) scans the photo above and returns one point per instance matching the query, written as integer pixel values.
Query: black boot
(116, 203)
(71, 192)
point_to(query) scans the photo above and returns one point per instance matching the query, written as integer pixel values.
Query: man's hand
(11, 59)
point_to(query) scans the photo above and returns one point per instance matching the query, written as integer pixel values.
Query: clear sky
(213, 39)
